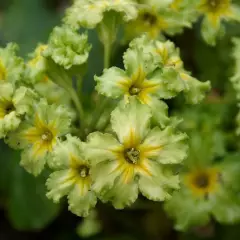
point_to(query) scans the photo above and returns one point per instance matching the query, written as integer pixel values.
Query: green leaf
(27, 207)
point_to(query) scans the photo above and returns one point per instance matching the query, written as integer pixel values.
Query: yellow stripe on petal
(132, 140)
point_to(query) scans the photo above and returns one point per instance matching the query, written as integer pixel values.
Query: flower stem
(107, 54)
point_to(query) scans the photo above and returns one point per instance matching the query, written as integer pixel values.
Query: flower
(207, 188)
(39, 134)
(157, 17)
(89, 13)
(11, 66)
(168, 56)
(142, 79)
(72, 177)
(137, 158)
(67, 48)
(14, 104)
(214, 12)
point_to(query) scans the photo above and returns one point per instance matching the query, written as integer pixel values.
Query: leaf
(27, 207)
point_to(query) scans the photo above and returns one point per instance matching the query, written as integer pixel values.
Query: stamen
(150, 18)
(202, 181)
(132, 155)
(84, 171)
(134, 90)
(47, 136)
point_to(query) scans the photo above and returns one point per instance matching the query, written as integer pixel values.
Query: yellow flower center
(132, 155)
(203, 182)
(3, 72)
(134, 90)
(83, 171)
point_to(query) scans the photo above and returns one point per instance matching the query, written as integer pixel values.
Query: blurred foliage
(26, 212)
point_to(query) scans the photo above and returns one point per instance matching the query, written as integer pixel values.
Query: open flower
(89, 13)
(214, 12)
(67, 47)
(136, 159)
(168, 56)
(11, 66)
(39, 135)
(156, 18)
(14, 104)
(72, 177)
(207, 188)
(143, 78)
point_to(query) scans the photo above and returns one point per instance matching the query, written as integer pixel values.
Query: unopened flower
(67, 47)
(89, 13)
(39, 134)
(214, 11)
(14, 104)
(71, 177)
(11, 66)
(137, 158)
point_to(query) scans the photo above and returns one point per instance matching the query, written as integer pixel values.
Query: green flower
(214, 11)
(168, 56)
(158, 17)
(39, 134)
(207, 188)
(141, 79)
(67, 47)
(137, 158)
(14, 104)
(89, 13)
(71, 177)
(11, 66)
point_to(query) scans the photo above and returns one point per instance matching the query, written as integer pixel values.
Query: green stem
(97, 114)
(107, 54)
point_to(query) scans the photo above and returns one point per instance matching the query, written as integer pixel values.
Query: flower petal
(113, 83)
(131, 122)
(158, 185)
(165, 146)
(101, 147)
(60, 184)
(81, 204)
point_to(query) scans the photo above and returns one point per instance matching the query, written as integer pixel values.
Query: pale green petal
(195, 91)
(168, 147)
(84, 14)
(132, 118)
(59, 184)
(81, 204)
(32, 162)
(6, 91)
(13, 66)
(105, 178)
(23, 100)
(187, 211)
(157, 187)
(67, 47)
(226, 206)
(209, 32)
(139, 56)
(236, 12)
(121, 194)
(100, 147)
(9, 123)
(64, 152)
(159, 112)
(109, 84)
(89, 13)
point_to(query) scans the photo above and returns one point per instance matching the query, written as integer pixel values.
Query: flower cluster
(121, 141)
